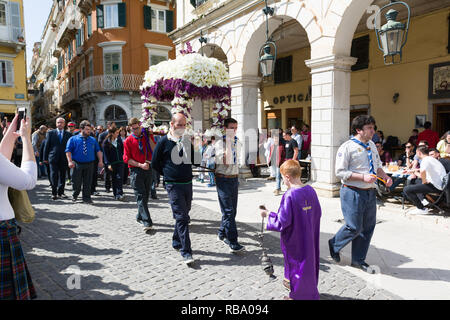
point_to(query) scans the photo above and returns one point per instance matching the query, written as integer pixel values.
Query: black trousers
(416, 191)
(58, 177)
(108, 179)
(94, 181)
(82, 176)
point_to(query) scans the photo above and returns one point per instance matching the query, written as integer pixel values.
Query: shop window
(283, 70)
(360, 50)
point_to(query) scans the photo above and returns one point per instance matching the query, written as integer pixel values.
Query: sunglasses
(408, 147)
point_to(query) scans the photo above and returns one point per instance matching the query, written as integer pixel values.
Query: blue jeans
(141, 181)
(360, 213)
(227, 190)
(212, 179)
(180, 198)
(279, 178)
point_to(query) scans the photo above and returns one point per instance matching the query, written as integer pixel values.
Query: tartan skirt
(15, 279)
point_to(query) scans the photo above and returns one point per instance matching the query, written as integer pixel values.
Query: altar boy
(298, 220)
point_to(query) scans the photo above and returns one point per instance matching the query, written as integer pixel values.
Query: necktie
(369, 153)
(60, 136)
(84, 147)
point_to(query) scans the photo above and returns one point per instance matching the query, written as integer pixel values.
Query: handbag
(23, 210)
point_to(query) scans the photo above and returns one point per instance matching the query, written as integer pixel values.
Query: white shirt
(299, 140)
(228, 169)
(23, 178)
(434, 170)
(352, 157)
(267, 146)
(208, 155)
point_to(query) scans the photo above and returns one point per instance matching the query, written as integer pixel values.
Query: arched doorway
(116, 114)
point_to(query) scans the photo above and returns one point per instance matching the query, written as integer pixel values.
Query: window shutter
(169, 21)
(89, 25)
(9, 73)
(100, 17)
(122, 14)
(194, 3)
(55, 71)
(147, 17)
(16, 27)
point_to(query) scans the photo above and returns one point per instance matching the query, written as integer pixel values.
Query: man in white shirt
(432, 173)
(228, 153)
(297, 137)
(358, 165)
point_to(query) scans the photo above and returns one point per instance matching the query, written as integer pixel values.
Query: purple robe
(298, 220)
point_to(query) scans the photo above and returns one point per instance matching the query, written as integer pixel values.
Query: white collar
(172, 138)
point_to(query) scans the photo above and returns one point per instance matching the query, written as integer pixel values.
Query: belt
(356, 188)
(219, 175)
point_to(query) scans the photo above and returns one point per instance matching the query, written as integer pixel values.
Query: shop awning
(8, 108)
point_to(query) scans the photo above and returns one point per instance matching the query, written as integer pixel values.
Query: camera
(22, 115)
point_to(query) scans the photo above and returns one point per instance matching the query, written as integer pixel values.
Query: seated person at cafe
(406, 161)
(445, 162)
(413, 139)
(385, 156)
(407, 158)
(430, 136)
(432, 173)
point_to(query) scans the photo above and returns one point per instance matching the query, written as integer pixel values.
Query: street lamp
(266, 58)
(393, 35)
(202, 41)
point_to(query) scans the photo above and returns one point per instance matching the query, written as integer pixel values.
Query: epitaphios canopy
(189, 77)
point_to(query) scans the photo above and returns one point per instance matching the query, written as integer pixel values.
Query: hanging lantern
(393, 35)
(267, 60)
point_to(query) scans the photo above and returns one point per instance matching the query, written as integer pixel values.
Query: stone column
(330, 118)
(244, 108)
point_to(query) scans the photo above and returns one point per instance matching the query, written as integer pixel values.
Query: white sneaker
(425, 202)
(147, 229)
(418, 211)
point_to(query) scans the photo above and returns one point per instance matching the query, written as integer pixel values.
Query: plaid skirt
(15, 279)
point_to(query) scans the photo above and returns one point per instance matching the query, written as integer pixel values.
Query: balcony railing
(68, 96)
(107, 83)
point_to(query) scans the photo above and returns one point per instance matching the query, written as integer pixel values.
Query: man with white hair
(55, 156)
(173, 158)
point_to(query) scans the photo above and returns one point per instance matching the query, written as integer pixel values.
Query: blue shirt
(75, 146)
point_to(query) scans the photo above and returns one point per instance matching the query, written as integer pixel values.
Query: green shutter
(100, 17)
(147, 17)
(169, 21)
(194, 3)
(89, 24)
(122, 14)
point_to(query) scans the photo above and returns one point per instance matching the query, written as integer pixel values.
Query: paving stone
(117, 260)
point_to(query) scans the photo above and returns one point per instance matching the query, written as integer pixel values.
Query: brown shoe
(277, 192)
(287, 284)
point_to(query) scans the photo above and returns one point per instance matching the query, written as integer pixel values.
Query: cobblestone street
(117, 260)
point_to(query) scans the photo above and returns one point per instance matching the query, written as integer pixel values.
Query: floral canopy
(189, 77)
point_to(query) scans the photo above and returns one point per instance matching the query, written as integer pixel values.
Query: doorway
(273, 119)
(442, 118)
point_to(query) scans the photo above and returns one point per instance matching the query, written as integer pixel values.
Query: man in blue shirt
(81, 151)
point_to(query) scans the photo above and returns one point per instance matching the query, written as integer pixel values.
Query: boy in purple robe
(298, 220)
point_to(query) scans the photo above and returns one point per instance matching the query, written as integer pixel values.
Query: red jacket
(280, 156)
(429, 136)
(131, 150)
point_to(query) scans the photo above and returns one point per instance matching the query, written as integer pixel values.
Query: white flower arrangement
(194, 68)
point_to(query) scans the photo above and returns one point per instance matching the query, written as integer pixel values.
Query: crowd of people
(422, 166)
(79, 155)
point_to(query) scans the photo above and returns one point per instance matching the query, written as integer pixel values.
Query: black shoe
(54, 197)
(74, 199)
(154, 197)
(108, 190)
(188, 259)
(364, 267)
(88, 201)
(334, 255)
(177, 248)
(63, 196)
